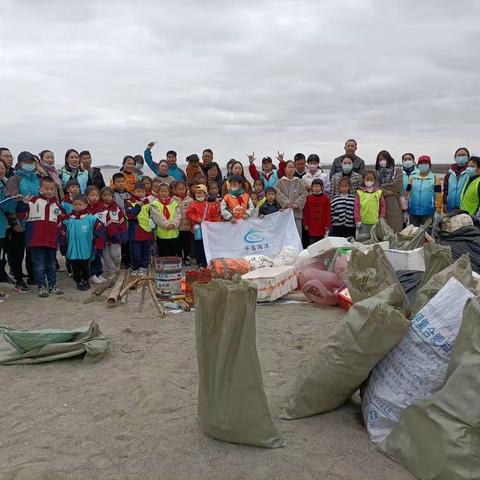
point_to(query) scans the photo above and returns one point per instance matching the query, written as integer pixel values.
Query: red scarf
(166, 202)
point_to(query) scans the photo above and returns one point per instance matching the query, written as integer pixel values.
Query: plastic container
(344, 298)
(327, 244)
(407, 259)
(273, 282)
(168, 276)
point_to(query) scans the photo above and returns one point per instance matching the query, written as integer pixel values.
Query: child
(199, 211)
(81, 229)
(194, 183)
(369, 204)
(291, 193)
(43, 215)
(236, 204)
(270, 205)
(147, 183)
(185, 237)
(424, 193)
(116, 232)
(342, 208)
(140, 234)
(213, 192)
(96, 207)
(254, 199)
(258, 189)
(193, 167)
(120, 193)
(72, 188)
(316, 215)
(314, 171)
(268, 175)
(166, 213)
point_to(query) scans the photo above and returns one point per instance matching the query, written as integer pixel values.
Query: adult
(470, 197)
(5, 218)
(7, 157)
(230, 164)
(171, 157)
(237, 170)
(355, 179)
(129, 172)
(424, 193)
(213, 173)
(95, 176)
(291, 193)
(25, 182)
(455, 180)
(300, 165)
(47, 163)
(163, 173)
(390, 180)
(73, 170)
(350, 149)
(207, 159)
(409, 168)
(139, 164)
(269, 174)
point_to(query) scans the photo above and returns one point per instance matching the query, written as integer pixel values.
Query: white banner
(255, 236)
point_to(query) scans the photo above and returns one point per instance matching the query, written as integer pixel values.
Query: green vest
(163, 233)
(469, 200)
(144, 218)
(369, 206)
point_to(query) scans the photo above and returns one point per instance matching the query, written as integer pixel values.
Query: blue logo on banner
(254, 235)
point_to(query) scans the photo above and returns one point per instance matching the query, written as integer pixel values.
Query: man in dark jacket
(358, 163)
(95, 176)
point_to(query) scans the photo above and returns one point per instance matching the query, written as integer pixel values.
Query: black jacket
(95, 177)
(268, 208)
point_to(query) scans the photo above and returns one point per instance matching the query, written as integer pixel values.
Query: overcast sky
(109, 76)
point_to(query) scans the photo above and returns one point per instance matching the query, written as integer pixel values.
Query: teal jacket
(455, 187)
(406, 178)
(80, 232)
(422, 195)
(81, 177)
(176, 172)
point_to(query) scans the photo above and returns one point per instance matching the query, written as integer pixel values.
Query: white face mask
(369, 184)
(382, 163)
(200, 197)
(408, 163)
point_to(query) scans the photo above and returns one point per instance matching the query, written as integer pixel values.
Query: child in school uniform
(72, 188)
(167, 214)
(369, 204)
(137, 210)
(97, 208)
(43, 222)
(116, 232)
(120, 195)
(236, 204)
(147, 183)
(184, 237)
(202, 211)
(81, 228)
(316, 214)
(342, 208)
(270, 205)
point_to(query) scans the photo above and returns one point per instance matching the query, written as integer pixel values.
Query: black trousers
(312, 240)
(80, 270)
(200, 254)
(167, 247)
(126, 255)
(184, 245)
(342, 231)
(3, 261)
(16, 252)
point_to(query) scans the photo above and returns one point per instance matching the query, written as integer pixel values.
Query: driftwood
(117, 287)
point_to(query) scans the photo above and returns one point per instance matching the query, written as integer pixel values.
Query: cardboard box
(273, 282)
(407, 259)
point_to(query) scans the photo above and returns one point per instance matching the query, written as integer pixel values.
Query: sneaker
(43, 292)
(142, 272)
(86, 286)
(102, 278)
(134, 273)
(80, 286)
(55, 291)
(22, 287)
(3, 295)
(95, 280)
(187, 262)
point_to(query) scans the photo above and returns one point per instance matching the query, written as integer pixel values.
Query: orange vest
(237, 205)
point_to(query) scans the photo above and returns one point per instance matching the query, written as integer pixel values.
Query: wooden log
(128, 287)
(159, 306)
(117, 287)
(142, 298)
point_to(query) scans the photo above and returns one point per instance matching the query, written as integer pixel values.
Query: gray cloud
(240, 77)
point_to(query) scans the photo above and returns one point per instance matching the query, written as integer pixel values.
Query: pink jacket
(185, 224)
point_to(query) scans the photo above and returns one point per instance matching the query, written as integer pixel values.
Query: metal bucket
(168, 276)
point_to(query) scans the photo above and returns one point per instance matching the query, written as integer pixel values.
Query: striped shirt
(343, 210)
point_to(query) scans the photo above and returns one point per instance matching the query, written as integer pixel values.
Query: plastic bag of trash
(314, 271)
(439, 438)
(368, 273)
(231, 401)
(331, 376)
(287, 256)
(417, 366)
(322, 290)
(437, 258)
(381, 231)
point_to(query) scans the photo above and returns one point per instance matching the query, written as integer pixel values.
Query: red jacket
(196, 212)
(316, 215)
(115, 224)
(98, 209)
(44, 220)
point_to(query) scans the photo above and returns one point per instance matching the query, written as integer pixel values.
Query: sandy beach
(133, 414)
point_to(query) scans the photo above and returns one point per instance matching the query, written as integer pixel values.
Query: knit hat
(201, 188)
(424, 159)
(25, 157)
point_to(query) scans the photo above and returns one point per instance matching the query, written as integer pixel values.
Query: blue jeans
(44, 266)
(140, 252)
(96, 264)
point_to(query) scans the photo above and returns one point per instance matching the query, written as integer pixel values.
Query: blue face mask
(424, 168)
(28, 167)
(471, 171)
(461, 160)
(347, 168)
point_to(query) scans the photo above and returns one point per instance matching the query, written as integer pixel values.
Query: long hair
(67, 154)
(386, 155)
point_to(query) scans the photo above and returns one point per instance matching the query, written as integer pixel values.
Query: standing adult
(470, 197)
(73, 170)
(409, 168)
(300, 165)
(47, 163)
(95, 176)
(355, 179)
(350, 149)
(207, 163)
(237, 170)
(7, 157)
(455, 180)
(130, 174)
(25, 182)
(171, 157)
(390, 180)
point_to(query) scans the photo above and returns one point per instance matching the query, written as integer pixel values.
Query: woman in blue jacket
(455, 179)
(73, 170)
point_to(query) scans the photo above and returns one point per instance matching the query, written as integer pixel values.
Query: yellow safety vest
(369, 206)
(164, 233)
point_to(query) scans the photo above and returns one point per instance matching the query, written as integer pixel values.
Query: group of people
(100, 228)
